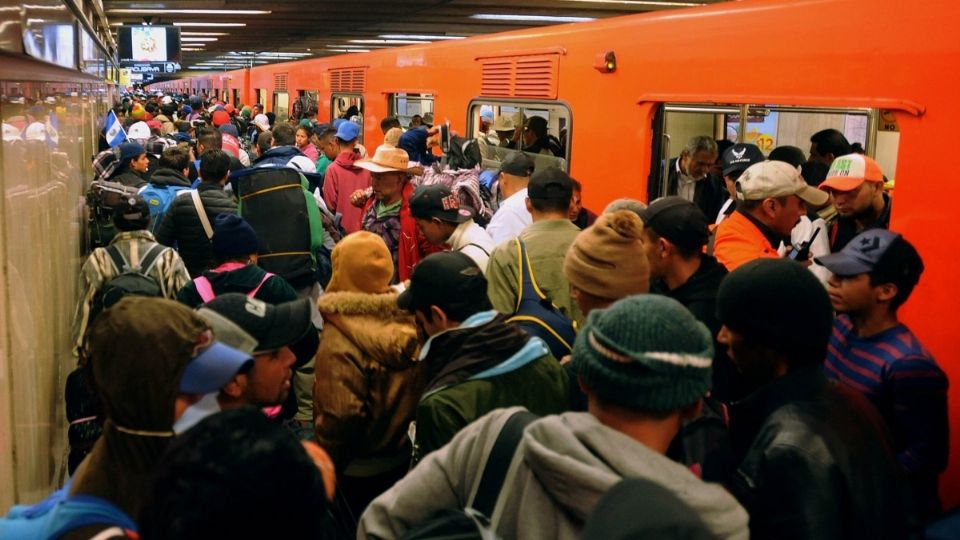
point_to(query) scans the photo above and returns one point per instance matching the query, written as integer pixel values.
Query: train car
(624, 94)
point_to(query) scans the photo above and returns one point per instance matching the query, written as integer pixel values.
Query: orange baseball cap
(850, 171)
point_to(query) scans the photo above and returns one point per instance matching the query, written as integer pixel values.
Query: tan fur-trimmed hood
(374, 324)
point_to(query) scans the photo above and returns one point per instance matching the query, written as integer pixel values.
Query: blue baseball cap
(348, 131)
(212, 369)
(862, 254)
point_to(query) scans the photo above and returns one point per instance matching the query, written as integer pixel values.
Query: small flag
(114, 131)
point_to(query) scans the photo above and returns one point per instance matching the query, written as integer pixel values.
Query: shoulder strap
(528, 288)
(254, 292)
(204, 289)
(498, 462)
(117, 258)
(202, 214)
(150, 258)
(478, 246)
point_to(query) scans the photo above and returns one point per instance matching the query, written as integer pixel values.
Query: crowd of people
(282, 335)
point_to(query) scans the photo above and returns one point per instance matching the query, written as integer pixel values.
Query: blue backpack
(59, 514)
(537, 314)
(159, 200)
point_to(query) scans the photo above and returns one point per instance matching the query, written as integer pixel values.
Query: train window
(236, 97)
(347, 106)
(767, 126)
(281, 105)
(258, 92)
(541, 130)
(306, 100)
(405, 106)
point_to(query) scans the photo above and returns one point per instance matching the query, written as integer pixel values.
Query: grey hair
(625, 203)
(700, 143)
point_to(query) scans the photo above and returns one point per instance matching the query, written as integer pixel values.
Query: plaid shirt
(169, 272)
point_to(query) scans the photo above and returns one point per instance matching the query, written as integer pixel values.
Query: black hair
(264, 140)
(831, 141)
(214, 165)
(352, 111)
(175, 158)
(577, 186)
(814, 172)
(722, 146)
(327, 133)
(461, 310)
(685, 252)
(789, 154)
(857, 148)
(390, 122)
(284, 135)
(900, 265)
(538, 125)
(150, 107)
(236, 475)
(211, 139)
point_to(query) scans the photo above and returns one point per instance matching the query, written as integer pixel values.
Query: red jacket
(413, 245)
(340, 181)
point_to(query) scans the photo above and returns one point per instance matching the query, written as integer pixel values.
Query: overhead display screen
(145, 44)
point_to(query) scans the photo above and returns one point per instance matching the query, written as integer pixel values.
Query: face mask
(195, 413)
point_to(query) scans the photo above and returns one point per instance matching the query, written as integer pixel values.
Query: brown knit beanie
(607, 258)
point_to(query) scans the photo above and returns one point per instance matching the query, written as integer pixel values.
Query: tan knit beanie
(607, 259)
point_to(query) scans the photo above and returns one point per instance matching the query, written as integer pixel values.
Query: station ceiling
(220, 34)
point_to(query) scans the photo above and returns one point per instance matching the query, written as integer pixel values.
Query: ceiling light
(419, 36)
(190, 49)
(204, 34)
(390, 41)
(205, 24)
(198, 39)
(530, 18)
(190, 11)
(660, 3)
(331, 49)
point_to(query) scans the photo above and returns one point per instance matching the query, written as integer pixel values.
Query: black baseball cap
(449, 279)
(273, 326)
(550, 183)
(739, 157)
(437, 201)
(678, 220)
(518, 164)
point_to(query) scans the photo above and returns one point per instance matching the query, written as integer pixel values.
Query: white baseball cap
(770, 179)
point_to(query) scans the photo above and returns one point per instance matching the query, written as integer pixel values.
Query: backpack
(539, 316)
(128, 280)
(473, 523)
(465, 184)
(159, 199)
(59, 514)
(205, 288)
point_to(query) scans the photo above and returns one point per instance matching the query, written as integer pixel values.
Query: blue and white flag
(114, 130)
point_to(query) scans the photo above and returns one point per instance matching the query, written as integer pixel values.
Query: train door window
(768, 127)
(405, 106)
(281, 105)
(259, 92)
(541, 130)
(236, 97)
(347, 106)
(306, 101)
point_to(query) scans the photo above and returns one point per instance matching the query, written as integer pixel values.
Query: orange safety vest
(739, 241)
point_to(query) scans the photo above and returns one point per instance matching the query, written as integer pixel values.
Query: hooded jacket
(368, 381)
(284, 156)
(483, 365)
(169, 178)
(563, 465)
(181, 226)
(141, 347)
(341, 179)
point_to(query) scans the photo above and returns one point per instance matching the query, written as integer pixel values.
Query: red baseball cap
(220, 118)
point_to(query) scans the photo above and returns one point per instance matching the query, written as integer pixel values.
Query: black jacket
(181, 227)
(129, 177)
(168, 177)
(699, 295)
(843, 229)
(709, 193)
(815, 462)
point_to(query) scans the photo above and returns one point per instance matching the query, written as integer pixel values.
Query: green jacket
(483, 365)
(547, 243)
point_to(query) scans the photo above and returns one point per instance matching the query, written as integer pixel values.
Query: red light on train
(606, 62)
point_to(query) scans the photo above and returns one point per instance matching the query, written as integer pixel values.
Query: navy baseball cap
(213, 368)
(437, 201)
(739, 157)
(678, 220)
(873, 249)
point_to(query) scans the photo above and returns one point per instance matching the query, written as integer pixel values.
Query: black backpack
(537, 315)
(128, 280)
(473, 523)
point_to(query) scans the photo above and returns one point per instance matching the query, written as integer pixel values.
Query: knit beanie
(361, 263)
(245, 112)
(646, 353)
(233, 237)
(138, 112)
(220, 118)
(607, 258)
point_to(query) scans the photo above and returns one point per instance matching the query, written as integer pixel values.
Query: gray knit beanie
(645, 352)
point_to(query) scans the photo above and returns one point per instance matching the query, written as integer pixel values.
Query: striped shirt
(894, 371)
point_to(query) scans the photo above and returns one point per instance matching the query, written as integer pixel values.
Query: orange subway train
(624, 94)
